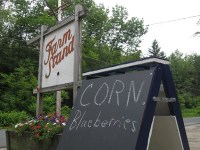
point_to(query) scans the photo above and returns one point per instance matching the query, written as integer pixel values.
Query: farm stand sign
(58, 57)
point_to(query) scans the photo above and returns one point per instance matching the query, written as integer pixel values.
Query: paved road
(190, 121)
(2, 139)
(193, 134)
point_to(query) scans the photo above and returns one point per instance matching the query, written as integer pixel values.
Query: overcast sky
(172, 35)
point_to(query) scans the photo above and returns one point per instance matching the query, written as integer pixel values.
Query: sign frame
(77, 74)
(58, 56)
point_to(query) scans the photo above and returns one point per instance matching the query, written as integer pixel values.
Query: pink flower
(38, 127)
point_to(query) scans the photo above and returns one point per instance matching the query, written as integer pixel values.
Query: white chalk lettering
(116, 121)
(107, 89)
(83, 124)
(126, 121)
(90, 123)
(117, 92)
(97, 121)
(80, 120)
(112, 119)
(135, 98)
(83, 94)
(74, 122)
(134, 128)
(104, 123)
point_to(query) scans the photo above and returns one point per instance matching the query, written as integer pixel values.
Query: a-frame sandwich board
(162, 126)
(129, 111)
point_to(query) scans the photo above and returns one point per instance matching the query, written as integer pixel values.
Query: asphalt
(2, 139)
(193, 135)
(191, 121)
(192, 126)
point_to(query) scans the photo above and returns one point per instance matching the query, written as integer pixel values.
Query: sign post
(39, 105)
(58, 93)
(77, 54)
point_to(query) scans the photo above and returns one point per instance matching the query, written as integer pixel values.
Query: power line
(184, 18)
(97, 60)
(162, 22)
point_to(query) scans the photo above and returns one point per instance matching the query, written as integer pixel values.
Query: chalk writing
(117, 92)
(107, 89)
(117, 89)
(90, 85)
(132, 86)
(80, 120)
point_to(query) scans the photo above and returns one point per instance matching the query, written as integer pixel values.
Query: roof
(128, 66)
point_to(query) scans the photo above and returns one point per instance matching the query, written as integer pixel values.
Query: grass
(6, 128)
(193, 112)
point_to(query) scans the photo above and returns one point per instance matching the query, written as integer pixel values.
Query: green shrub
(49, 104)
(8, 119)
(197, 100)
(181, 101)
(65, 110)
(187, 100)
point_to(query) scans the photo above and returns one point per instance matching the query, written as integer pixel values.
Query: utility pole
(58, 93)
(59, 11)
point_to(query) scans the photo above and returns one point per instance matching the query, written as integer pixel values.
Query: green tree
(195, 59)
(16, 88)
(155, 51)
(110, 40)
(20, 20)
(183, 71)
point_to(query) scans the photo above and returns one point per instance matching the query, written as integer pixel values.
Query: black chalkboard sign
(107, 113)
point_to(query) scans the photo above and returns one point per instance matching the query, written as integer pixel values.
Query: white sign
(58, 57)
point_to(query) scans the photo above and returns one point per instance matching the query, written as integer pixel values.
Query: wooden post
(58, 103)
(77, 52)
(39, 106)
(59, 11)
(58, 93)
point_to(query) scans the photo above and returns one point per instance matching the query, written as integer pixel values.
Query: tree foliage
(186, 78)
(106, 39)
(115, 37)
(155, 50)
(16, 88)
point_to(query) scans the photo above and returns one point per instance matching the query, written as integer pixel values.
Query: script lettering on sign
(66, 46)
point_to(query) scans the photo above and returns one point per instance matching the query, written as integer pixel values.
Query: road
(2, 139)
(193, 134)
(190, 121)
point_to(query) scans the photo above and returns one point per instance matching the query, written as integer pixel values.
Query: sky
(171, 35)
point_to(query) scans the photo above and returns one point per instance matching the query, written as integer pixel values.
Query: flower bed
(43, 127)
(42, 133)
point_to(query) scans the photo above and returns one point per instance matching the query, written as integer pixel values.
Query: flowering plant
(43, 127)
